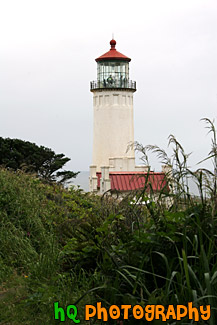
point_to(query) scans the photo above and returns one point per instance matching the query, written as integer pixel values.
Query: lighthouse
(113, 127)
(113, 161)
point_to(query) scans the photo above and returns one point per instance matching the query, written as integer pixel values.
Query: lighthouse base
(123, 165)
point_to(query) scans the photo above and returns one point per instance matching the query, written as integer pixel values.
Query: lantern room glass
(113, 74)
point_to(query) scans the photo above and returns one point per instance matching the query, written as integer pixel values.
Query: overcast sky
(47, 60)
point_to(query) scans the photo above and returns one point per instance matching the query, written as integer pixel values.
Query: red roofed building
(113, 166)
(131, 181)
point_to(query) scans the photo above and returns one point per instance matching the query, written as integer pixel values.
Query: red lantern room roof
(113, 54)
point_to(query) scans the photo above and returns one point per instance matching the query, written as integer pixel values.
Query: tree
(18, 154)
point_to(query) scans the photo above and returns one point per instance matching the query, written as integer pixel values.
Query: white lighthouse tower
(113, 127)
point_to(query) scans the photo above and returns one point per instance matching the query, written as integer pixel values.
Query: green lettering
(74, 314)
(58, 310)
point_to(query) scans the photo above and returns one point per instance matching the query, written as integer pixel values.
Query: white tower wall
(113, 126)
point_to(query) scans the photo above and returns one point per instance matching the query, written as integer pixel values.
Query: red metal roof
(129, 181)
(113, 54)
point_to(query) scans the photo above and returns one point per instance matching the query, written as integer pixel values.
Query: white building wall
(113, 127)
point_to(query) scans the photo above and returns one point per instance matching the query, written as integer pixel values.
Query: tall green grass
(163, 252)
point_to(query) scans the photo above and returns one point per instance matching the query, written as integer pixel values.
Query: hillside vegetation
(75, 248)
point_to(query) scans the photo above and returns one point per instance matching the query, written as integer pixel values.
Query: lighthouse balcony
(119, 84)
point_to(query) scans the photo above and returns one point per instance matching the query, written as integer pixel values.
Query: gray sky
(47, 59)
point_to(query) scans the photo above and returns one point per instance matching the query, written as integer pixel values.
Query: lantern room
(113, 71)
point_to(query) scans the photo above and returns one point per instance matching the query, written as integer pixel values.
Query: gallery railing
(124, 84)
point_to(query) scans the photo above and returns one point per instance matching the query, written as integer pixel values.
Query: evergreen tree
(18, 154)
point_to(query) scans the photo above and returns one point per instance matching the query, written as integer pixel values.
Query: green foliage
(18, 154)
(32, 263)
(75, 248)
